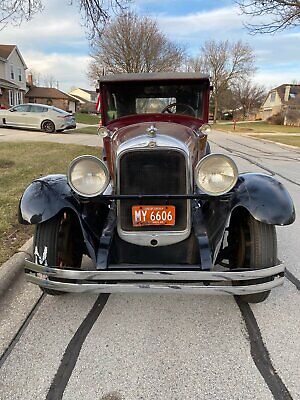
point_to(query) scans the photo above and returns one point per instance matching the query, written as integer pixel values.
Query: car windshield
(140, 98)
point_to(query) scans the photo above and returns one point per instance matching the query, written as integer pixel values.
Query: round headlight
(205, 128)
(88, 176)
(216, 174)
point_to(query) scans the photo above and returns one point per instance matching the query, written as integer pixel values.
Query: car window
(38, 109)
(59, 110)
(21, 108)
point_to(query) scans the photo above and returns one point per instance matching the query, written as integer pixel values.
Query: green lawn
(20, 163)
(89, 119)
(259, 127)
(285, 139)
(90, 130)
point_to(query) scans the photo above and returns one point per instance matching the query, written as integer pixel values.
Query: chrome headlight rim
(100, 162)
(234, 168)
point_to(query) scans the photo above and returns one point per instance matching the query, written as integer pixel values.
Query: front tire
(48, 126)
(59, 241)
(253, 244)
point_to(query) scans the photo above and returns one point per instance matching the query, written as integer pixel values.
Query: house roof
(6, 50)
(7, 84)
(294, 91)
(89, 91)
(81, 99)
(48, 93)
(155, 76)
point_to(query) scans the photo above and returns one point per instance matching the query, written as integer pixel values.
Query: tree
(94, 12)
(248, 96)
(227, 63)
(133, 44)
(50, 81)
(280, 14)
(195, 64)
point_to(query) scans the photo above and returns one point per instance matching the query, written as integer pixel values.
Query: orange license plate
(153, 215)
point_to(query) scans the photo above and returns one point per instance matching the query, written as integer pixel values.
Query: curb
(10, 270)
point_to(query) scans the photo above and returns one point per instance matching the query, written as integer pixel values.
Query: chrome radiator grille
(151, 172)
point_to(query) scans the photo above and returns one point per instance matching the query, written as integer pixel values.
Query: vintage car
(156, 211)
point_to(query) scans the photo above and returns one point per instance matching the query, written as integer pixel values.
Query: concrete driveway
(162, 347)
(20, 135)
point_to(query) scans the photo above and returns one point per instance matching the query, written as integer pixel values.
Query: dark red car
(157, 211)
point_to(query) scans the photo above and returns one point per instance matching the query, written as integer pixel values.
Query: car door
(18, 115)
(37, 113)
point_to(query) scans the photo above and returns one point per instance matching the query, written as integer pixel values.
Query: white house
(12, 76)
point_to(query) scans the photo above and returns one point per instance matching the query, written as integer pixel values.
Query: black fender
(46, 197)
(264, 197)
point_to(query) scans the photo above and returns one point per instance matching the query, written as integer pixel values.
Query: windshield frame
(107, 87)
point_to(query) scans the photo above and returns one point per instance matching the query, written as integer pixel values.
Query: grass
(90, 119)
(285, 139)
(90, 130)
(20, 163)
(257, 127)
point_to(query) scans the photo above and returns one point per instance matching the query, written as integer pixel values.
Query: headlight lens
(88, 176)
(216, 174)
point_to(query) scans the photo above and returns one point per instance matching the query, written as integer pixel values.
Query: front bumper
(158, 280)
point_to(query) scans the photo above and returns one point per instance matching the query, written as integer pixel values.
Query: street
(162, 347)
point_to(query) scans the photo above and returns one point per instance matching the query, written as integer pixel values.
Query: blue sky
(54, 42)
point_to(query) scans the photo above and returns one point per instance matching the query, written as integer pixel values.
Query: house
(51, 97)
(87, 99)
(12, 76)
(285, 100)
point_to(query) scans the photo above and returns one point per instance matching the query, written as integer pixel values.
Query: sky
(54, 42)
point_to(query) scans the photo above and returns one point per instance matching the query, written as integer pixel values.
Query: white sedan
(37, 116)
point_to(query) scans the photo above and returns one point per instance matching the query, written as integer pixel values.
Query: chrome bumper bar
(153, 281)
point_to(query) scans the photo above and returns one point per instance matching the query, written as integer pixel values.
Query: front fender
(265, 198)
(44, 198)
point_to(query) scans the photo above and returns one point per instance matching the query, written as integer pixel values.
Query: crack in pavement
(73, 349)
(21, 330)
(260, 354)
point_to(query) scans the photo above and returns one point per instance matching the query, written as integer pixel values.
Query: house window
(273, 96)
(19, 97)
(11, 98)
(12, 73)
(20, 74)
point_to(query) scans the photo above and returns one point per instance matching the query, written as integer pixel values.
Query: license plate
(153, 215)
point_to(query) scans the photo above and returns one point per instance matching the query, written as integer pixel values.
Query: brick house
(12, 76)
(51, 97)
(283, 99)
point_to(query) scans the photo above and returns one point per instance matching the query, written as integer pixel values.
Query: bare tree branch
(134, 44)
(248, 96)
(227, 63)
(275, 15)
(95, 13)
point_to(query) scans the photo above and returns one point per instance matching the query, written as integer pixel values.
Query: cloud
(270, 79)
(208, 21)
(53, 43)
(68, 69)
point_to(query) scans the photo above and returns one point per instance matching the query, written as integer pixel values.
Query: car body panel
(34, 116)
(152, 160)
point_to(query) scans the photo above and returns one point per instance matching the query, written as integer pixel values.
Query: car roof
(155, 76)
(36, 104)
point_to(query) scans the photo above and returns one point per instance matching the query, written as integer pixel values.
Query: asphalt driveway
(68, 136)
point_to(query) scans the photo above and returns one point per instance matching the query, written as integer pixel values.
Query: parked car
(156, 211)
(37, 116)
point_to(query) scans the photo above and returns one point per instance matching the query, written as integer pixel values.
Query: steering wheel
(186, 109)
